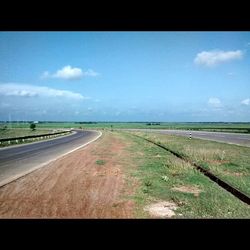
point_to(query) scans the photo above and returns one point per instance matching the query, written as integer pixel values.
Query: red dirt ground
(74, 186)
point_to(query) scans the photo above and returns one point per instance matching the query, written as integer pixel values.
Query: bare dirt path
(74, 186)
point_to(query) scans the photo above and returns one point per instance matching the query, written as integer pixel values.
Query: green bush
(100, 162)
(33, 126)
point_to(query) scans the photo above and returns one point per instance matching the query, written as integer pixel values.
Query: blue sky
(125, 76)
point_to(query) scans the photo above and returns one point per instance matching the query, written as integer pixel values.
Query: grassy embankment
(159, 175)
(229, 162)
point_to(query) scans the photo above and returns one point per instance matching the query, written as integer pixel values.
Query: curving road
(20, 160)
(231, 138)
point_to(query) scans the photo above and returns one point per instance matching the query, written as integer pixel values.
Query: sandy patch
(162, 209)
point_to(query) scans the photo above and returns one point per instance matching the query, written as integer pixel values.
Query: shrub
(100, 162)
(32, 126)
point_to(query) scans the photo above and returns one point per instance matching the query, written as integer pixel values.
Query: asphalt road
(17, 161)
(232, 138)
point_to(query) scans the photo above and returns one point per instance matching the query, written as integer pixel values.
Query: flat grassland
(206, 126)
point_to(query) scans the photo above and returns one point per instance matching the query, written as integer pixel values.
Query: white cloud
(25, 90)
(69, 73)
(90, 72)
(214, 57)
(246, 101)
(214, 102)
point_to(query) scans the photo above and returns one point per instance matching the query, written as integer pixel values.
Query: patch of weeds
(115, 205)
(176, 174)
(100, 162)
(147, 186)
(165, 178)
(145, 190)
(178, 201)
(165, 165)
(231, 165)
(221, 155)
(148, 183)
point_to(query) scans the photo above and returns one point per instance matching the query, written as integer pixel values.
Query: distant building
(36, 122)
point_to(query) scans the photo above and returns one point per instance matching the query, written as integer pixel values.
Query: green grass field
(220, 127)
(160, 174)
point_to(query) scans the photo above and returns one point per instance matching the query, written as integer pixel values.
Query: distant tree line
(153, 123)
(85, 122)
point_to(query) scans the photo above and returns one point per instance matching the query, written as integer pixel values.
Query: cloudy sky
(125, 76)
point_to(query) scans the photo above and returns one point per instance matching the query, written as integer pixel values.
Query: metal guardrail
(31, 136)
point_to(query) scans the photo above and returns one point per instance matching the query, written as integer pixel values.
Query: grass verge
(229, 162)
(162, 176)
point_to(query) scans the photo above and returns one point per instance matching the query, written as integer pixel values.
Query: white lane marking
(13, 178)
